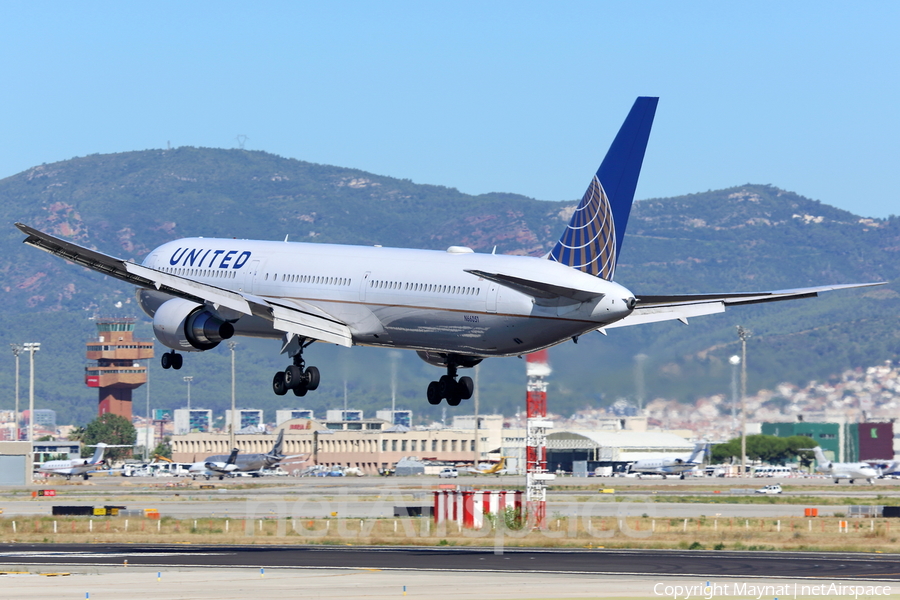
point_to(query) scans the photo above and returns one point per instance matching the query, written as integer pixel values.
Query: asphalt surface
(658, 563)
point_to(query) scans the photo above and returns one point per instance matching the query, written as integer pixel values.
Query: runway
(652, 563)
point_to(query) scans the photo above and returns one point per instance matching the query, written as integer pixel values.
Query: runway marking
(76, 554)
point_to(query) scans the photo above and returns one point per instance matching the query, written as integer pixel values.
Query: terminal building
(372, 445)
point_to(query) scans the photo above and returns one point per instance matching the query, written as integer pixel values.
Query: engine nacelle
(189, 327)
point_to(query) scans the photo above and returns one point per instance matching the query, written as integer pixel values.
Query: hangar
(615, 449)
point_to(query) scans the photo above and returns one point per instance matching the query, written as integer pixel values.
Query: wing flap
(656, 314)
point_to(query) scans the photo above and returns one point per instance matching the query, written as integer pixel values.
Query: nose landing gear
(451, 389)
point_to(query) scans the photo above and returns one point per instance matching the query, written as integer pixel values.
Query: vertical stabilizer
(593, 238)
(697, 455)
(821, 460)
(279, 444)
(98, 454)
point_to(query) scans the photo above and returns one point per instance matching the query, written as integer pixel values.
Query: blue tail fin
(593, 239)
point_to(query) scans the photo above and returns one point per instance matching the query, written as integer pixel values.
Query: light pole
(639, 361)
(148, 428)
(31, 348)
(16, 349)
(188, 379)
(743, 334)
(735, 361)
(231, 440)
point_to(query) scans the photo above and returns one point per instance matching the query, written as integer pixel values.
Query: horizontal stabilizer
(537, 289)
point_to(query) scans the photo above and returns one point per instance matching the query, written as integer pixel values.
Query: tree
(766, 448)
(109, 429)
(164, 448)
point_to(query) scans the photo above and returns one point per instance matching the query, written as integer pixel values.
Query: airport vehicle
(498, 468)
(448, 473)
(454, 308)
(253, 464)
(838, 471)
(773, 471)
(78, 467)
(769, 489)
(670, 465)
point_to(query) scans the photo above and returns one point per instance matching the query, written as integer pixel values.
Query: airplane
(221, 465)
(218, 465)
(840, 471)
(78, 466)
(498, 468)
(673, 465)
(454, 308)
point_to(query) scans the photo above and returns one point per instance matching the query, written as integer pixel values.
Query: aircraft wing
(651, 309)
(295, 318)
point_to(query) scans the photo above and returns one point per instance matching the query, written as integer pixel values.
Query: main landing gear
(171, 360)
(296, 377)
(451, 389)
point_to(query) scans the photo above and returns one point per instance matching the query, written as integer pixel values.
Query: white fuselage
(413, 299)
(68, 467)
(848, 470)
(662, 466)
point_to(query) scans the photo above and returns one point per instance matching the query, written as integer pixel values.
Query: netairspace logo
(709, 590)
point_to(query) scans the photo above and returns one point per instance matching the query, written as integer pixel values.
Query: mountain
(749, 237)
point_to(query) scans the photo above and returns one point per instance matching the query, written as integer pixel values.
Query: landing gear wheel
(292, 376)
(312, 378)
(466, 387)
(278, 385)
(300, 390)
(177, 361)
(434, 393)
(166, 360)
(453, 399)
(447, 385)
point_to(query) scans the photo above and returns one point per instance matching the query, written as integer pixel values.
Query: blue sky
(520, 97)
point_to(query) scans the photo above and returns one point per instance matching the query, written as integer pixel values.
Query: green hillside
(745, 238)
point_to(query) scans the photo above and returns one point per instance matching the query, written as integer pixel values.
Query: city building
(287, 414)
(344, 415)
(195, 419)
(245, 420)
(401, 418)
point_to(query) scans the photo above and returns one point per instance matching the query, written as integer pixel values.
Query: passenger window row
(185, 272)
(425, 287)
(312, 279)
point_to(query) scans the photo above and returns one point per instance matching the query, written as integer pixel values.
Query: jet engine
(189, 327)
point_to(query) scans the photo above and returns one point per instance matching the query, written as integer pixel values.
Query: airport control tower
(114, 366)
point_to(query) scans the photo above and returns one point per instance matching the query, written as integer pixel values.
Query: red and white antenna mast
(537, 369)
